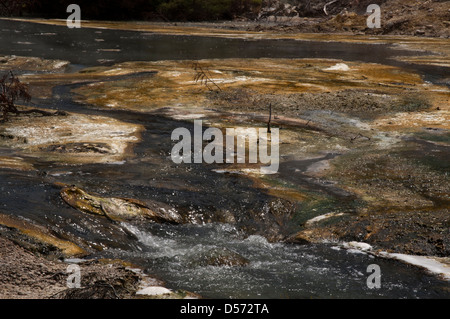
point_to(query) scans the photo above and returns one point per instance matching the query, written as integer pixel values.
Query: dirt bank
(400, 17)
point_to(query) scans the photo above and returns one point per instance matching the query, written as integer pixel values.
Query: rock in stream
(119, 209)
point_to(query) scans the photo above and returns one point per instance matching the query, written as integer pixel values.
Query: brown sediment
(281, 192)
(438, 116)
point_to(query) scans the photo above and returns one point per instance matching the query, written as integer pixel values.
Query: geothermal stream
(178, 254)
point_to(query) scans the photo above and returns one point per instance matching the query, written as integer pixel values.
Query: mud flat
(27, 275)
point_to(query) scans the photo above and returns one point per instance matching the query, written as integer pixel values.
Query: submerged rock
(119, 208)
(11, 62)
(219, 257)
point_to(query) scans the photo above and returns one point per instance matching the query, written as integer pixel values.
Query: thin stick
(203, 77)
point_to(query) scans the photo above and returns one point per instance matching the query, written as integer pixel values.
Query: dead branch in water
(12, 90)
(359, 135)
(204, 77)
